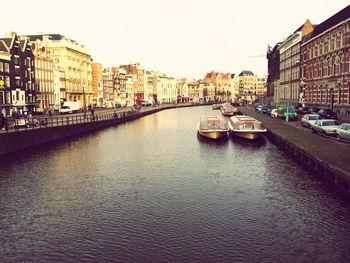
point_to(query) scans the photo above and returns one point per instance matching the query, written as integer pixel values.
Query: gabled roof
(337, 18)
(3, 46)
(7, 42)
(23, 44)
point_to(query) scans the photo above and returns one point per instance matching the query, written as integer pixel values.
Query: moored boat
(212, 127)
(246, 127)
(229, 110)
(216, 106)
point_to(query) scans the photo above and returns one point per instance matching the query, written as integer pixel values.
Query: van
(283, 111)
(70, 107)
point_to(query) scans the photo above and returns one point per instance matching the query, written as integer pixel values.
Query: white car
(325, 126)
(273, 113)
(343, 132)
(309, 119)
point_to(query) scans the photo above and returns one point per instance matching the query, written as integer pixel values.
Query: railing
(11, 125)
(42, 123)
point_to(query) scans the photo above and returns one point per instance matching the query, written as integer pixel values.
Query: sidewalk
(327, 150)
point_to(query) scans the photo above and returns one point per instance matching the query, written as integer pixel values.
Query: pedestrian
(50, 113)
(93, 113)
(2, 121)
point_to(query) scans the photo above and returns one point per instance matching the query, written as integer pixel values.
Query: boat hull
(248, 135)
(213, 134)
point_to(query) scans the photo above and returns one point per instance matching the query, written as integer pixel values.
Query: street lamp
(84, 101)
(291, 87)
(331, 91)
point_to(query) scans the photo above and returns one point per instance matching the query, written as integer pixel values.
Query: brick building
(325, 64)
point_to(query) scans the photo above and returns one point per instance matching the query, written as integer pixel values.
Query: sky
(183, 38)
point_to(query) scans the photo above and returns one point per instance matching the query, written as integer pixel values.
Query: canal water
(151, 190)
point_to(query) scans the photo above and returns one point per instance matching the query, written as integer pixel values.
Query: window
(7, 67)
(7, 81)
(1, 66)
(338, 42)
(332, 44)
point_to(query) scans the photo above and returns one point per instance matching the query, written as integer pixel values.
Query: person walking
(93, 113)
(2, 121)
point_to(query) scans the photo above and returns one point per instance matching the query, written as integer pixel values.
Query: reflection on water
(257, 143)
(153, 191)
(212, 141)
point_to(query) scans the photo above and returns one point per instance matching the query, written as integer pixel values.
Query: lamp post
(84, 100)
(331, 90)
(291, 87)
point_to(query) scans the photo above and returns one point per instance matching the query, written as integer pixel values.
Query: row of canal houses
(311, 66)
(40, 72)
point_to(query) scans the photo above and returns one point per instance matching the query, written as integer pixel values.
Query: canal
(152, 191)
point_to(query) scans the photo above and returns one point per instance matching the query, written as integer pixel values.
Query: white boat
(246, 127)
(229, 110)
(216, 106)
(212, 127)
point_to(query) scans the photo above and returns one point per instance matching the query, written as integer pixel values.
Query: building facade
(44, 77)
(325, 61)
(288, 90)
(96, 84)
(247, 90)
(20, 96)
(273, 71)
(222, 82)
(5, 91)
(138, 71)
(121, 94)
(75, 60)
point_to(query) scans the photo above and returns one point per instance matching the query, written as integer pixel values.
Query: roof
(40, 36)
(3, 46)
(246, 73)
(337, 18)
(7, 41)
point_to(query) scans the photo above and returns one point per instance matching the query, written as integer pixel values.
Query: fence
(11, 125)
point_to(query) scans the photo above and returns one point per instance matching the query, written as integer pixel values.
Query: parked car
(313, 110)
(303, 110)
(273, 113)
(282, 113)
(24, 120)
(327, 114)
(325, 126)
(265, 109)
(257, 105)
(308, 119)
(343, 132)
(146, 103)
(259, 108)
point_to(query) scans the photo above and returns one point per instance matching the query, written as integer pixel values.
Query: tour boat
(246, 127)
(216, 106)
(212, 127)
(229, 110)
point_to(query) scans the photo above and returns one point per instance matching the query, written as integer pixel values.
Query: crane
(257, 56)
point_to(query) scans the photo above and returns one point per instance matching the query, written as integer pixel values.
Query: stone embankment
(58, 128)
(326, 157)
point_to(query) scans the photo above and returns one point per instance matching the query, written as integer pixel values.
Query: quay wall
(325, 157)
(14, 141)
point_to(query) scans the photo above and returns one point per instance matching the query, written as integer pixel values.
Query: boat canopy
(212, 122)
(242, 122)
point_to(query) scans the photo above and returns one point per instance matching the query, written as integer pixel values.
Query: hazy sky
(183, 38)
